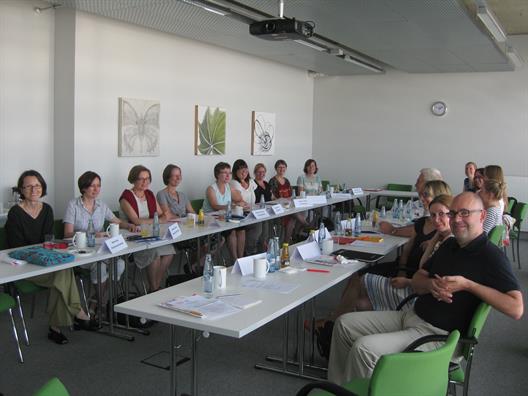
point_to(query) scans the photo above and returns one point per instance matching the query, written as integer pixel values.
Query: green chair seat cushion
(27, 287)
(6, 302)
(53, 387)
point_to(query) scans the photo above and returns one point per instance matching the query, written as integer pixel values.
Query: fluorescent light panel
(349, 59)
(492, 24)
(205, 6)
(311, 45)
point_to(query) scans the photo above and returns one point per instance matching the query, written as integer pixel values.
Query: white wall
(115, 59)
(26, 93)
(382, 129)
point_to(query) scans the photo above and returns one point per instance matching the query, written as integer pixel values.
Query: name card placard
(316, 199)
(357, 191)
(114, 245)
(277, 209)
(341, 195)
(244, 265)
(260, 214)
(173, 232)
(302, 203)
(307, 251)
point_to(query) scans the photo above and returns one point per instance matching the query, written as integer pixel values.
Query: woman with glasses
(491, 195)
(218, 197)
(27, 224)
(138, 205)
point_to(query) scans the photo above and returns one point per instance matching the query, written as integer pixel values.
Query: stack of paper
(201, 307)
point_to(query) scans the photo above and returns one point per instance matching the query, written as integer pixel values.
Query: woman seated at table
(281, 188)
(470, 170)
(494, 172)
(243, 194)
(491, 195)
(478, 179)
(173, 203)
(218, 197)
(263, 190)
(355, 295)
(28, 223)
(80, 210)
(310, 182)
(138, 205)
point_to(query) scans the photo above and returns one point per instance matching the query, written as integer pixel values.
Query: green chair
(511, 204)
(409, 373)
(197, 204)
(495, 235)
(325, 184)
(519, 213)
(389, 201)
(7, 303)
(54, 387)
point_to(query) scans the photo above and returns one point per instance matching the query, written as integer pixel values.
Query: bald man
(466, 270)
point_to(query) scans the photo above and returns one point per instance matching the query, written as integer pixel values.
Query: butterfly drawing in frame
(139, 127)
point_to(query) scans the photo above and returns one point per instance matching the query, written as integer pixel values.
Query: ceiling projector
(281, 29)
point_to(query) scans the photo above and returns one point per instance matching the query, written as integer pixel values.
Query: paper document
(272, 285)
(201, 307)
(240, 301)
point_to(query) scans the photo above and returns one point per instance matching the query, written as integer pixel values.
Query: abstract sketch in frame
(139, 127)
(209, 130)
(262, 133)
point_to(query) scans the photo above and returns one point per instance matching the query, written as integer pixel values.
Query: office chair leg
(15, 335)
(21, 313)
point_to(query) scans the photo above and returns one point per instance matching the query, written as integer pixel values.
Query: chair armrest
(327, 386)
(437, 338)
(406, 300)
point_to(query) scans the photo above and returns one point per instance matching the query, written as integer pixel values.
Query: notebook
(361, 256)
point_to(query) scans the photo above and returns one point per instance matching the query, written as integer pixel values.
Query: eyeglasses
(30, 187)
(462, 212)
(142, 179)
(440, 215)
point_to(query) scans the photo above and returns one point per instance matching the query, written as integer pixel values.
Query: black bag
(324, 339)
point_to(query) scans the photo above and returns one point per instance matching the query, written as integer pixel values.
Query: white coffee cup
(238, 211)
(303, 194)
(328, 246)
(332, 189)
(260, 268)
(112, 230)
(79, 240)
(220, 277)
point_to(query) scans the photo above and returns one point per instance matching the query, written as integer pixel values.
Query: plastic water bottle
(90, 234)
(401, 211)
(395, 209)
(228, 211)
(208, 275)
(357, 225)
(155, 225)
(409, 210)
(383, 212)
(262, 202)
(321, 235)
(338, 227)
(294, 194)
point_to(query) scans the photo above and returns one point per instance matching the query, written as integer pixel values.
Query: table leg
(174, 363)
(194, 358)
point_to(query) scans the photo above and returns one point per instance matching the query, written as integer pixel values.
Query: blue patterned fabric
(39, 256)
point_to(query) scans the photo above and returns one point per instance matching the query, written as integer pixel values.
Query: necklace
(140, 196)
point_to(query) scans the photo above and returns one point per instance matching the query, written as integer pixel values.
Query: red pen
(317, 270)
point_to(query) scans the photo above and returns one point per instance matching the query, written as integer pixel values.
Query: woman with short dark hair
(174, 204)
(310, 182)
(27, 224)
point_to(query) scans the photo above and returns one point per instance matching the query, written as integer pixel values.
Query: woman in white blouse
(243, 194)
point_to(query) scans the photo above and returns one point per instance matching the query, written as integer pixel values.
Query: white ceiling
(416, 36)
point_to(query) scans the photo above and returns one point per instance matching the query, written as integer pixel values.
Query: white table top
(239, 324)
(10, 273)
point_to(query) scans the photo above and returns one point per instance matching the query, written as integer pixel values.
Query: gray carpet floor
(95, 364)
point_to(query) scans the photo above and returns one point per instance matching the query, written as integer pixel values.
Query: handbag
(40, 256)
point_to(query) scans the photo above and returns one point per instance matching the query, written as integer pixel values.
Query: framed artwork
(139, 127)
(262, 133)
(209, 130)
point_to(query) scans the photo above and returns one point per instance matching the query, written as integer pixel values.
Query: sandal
(57, 337)
(88, 325)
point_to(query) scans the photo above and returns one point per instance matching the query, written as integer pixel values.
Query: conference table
(308, 285)
(374, 193)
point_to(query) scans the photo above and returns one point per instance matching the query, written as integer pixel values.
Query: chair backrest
(519, 213)
(197, 204)
(399, 187)
(511, 204)
(495, 235)
(52, 388)
(476, 325)
(414, 373)
(325, 184)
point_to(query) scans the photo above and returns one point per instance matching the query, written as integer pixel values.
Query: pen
(317, 270)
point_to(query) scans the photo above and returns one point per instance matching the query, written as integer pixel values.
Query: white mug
(303, 194)
(332, 189)
(260, 268)
(328, 246)
(79, 240)
(112, 230)
(220, 277)
(238, 211)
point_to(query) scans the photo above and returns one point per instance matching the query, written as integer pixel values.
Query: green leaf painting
(210, 130)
